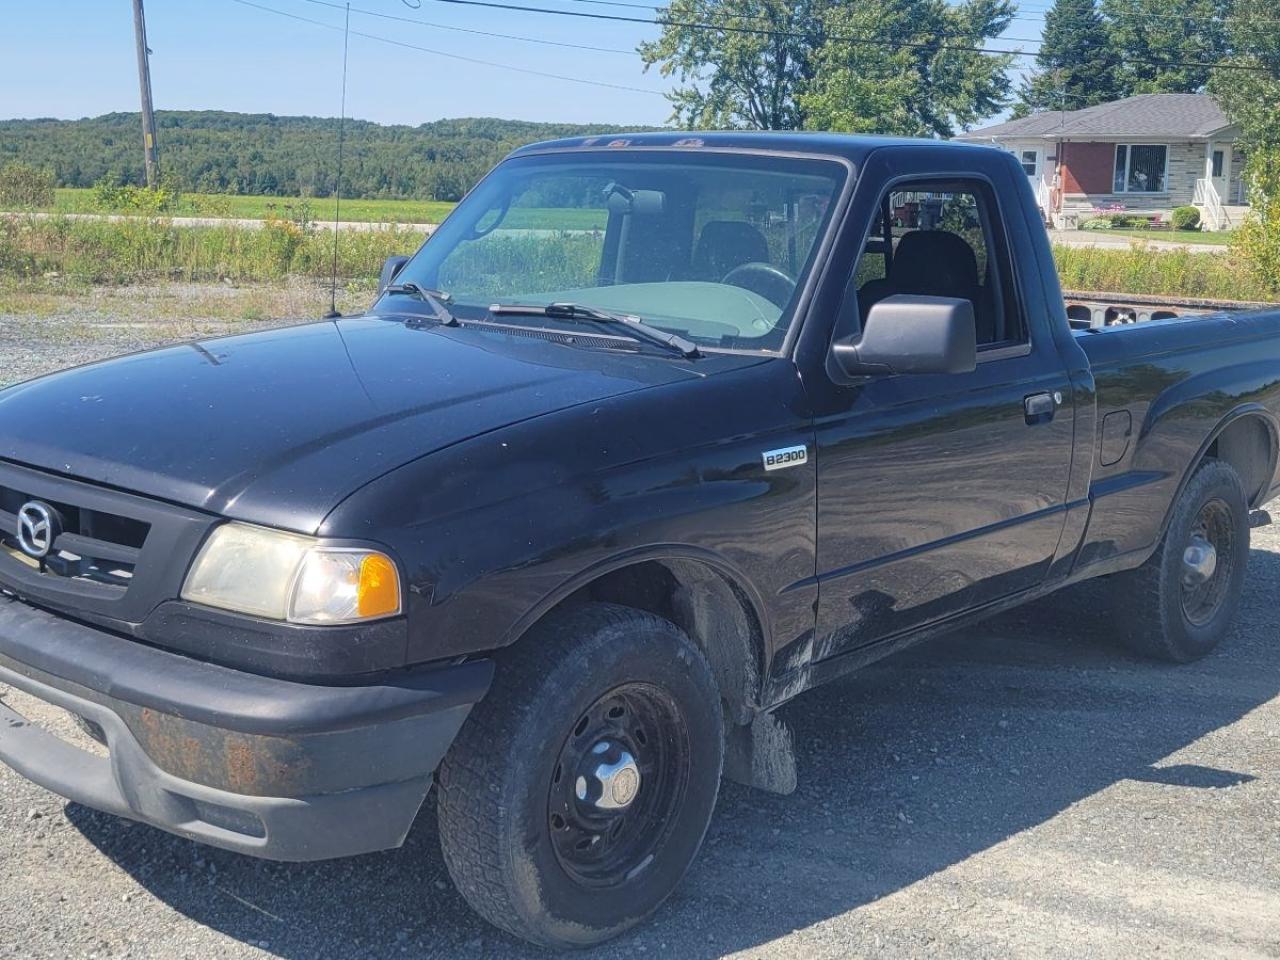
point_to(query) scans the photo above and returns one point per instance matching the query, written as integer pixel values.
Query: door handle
(1040, 408)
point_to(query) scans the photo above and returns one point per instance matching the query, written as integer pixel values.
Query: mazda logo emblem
(38, 528)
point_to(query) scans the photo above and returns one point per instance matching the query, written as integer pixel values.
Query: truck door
(939, 493)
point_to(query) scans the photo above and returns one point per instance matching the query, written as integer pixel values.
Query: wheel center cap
(610, 784)
(1199, 562)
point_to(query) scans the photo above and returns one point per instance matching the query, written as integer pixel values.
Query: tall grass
(104, 251)
(1174, 273)
(138, 250)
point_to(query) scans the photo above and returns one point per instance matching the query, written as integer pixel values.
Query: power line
(829, 38)
(479, 33)
(453, 56)
(1022, 9)
(729, 28)
(1114, 15)
(617, 3)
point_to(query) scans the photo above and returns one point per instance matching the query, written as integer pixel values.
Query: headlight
(284, 576)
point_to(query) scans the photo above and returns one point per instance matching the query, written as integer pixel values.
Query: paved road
(1021, 789)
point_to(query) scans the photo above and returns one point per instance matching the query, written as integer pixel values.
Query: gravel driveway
(1017, 789)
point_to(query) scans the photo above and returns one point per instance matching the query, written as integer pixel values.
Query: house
(1145, 154)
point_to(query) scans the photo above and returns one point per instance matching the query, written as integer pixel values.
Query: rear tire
(1167, 610)
(544, 831)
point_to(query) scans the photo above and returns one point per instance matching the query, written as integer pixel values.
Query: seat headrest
(934, 263)
(725, 244)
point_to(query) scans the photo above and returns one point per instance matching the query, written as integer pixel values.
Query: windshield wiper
(634, 326)
(437, 299)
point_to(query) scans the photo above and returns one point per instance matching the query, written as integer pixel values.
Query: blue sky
(75, 58)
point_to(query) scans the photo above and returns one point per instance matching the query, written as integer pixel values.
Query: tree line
(220, 152)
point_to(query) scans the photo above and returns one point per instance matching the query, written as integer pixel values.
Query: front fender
(497, 530)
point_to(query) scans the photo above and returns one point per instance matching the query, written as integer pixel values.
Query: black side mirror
(389, 270)
(910, 334)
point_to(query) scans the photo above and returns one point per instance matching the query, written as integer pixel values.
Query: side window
(942, 239)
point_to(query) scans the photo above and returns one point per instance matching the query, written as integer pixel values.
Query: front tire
(1179, 605)
(579, 790)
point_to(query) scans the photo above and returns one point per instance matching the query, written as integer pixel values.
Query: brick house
(1146, 154)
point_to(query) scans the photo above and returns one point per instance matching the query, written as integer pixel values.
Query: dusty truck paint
(781, 498)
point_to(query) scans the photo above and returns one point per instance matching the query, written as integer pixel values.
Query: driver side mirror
(910, 334)
(389, 271)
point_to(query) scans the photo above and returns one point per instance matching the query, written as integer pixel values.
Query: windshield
(711, 247)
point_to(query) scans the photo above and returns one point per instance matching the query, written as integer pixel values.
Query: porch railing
(1206, 198)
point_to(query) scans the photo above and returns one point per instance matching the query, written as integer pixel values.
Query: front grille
(92, 545)
(115, 556)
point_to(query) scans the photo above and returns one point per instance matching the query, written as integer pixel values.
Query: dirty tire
(1158, 615)
(503, 776)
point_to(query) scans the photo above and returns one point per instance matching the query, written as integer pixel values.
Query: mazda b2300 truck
(700, 423)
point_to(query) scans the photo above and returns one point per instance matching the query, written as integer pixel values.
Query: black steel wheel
(1208, 562)
(1180, 603)
(620, 778)
(579, 790)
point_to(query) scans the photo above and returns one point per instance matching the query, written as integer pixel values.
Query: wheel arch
(1248, 438)
(711, 601)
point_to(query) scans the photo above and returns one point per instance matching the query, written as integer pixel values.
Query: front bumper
(267, 767)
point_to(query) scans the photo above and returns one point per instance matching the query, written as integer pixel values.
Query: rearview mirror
(389, 270)
(643, 203)
(910, 334)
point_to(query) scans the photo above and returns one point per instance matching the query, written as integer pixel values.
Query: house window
(1217, 163)
(1140, 168)
(1031, 162)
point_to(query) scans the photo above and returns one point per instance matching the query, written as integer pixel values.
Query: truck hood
(278, 427)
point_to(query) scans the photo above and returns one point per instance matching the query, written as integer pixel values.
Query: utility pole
(148, 112)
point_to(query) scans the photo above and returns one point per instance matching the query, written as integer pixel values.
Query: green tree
(1250, 94)
(748, 77)
(1075, 67)
(883, 66)
(1165, 46)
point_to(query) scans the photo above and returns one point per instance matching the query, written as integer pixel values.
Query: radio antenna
(337, 186)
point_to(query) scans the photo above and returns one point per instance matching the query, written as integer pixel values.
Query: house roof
(1178, 115)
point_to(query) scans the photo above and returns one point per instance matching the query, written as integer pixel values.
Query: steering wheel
(763, 278)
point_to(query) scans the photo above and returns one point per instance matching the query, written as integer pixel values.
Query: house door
(1220, 170)
(1031, 157)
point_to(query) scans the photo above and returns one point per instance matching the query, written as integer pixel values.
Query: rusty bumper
(272, 768)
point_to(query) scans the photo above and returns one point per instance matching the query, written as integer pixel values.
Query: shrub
(1258, 239)
(111, 197)
(23, 186)
(1120, 221)
(1185, 218)
(1096, 223)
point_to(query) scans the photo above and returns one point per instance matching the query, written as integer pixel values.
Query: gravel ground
(1017, 789)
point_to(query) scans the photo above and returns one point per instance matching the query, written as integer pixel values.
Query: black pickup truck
(702, 422)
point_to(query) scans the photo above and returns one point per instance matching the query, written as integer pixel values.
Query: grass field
(77, 200)
(1220, 238)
